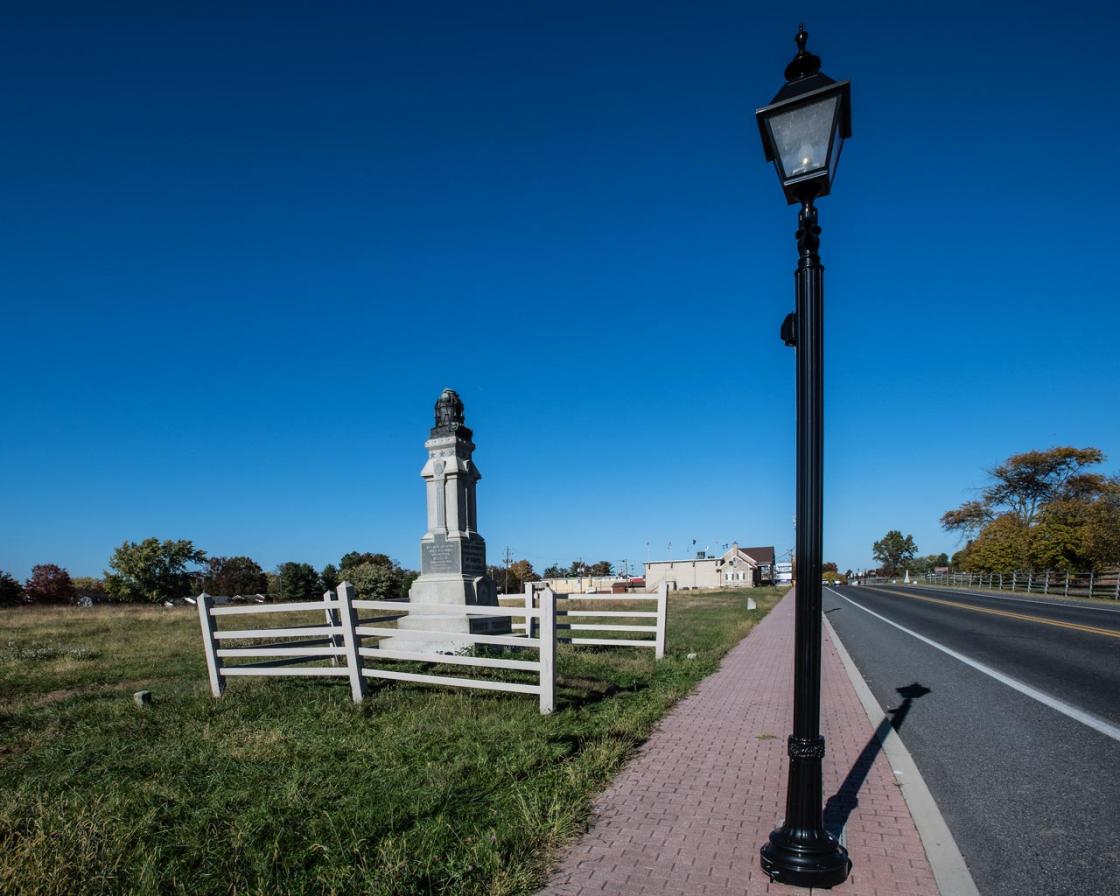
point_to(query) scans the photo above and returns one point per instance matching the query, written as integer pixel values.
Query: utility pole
(509, 557)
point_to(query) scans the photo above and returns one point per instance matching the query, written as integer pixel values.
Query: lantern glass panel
(802, 137)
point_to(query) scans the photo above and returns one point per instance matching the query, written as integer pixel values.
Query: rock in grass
(142, 698)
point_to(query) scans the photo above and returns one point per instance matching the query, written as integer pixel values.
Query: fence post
(332, 619)
(209, 626)
(530, 627)
(1046, 584)
(548, 650)
(1030, 580)
(1014, 576)
(1092, 573)
(349, 618)
(1116, 588)
(1067, 583)
(662, 614)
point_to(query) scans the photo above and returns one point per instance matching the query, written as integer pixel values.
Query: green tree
(234, 575)
(408, 576)
(1025, 483)
(512, 579)
(602, 568)
(1002, 546)
(373, 581)
(354, 558)
(1100, 536)
(922, 565)
(298, 581)
(49, 584)
(152, 570)
(401, 578)
(89, 586)
(329, 577)
(11, 592)
(1042, 510)
(555, 572)
(522, 571)
(893, 551)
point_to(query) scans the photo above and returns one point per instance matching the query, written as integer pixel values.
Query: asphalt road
(1022, 754)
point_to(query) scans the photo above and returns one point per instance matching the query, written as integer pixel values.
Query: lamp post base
(805, 858)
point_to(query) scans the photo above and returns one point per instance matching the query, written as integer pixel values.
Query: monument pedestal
(441, 590)
(452, 553)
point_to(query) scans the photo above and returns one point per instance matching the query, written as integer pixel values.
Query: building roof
(760, 555)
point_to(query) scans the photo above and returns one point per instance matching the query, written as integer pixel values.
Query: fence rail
(567, 609)
(1102, 583)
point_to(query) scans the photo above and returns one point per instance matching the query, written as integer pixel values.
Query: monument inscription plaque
(438, 556)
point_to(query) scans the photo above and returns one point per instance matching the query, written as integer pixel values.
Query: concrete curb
(949, 869)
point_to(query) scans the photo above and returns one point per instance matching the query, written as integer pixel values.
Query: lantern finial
(804, 63)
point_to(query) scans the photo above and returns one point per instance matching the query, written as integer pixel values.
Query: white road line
(1078, 715)
(998, 595)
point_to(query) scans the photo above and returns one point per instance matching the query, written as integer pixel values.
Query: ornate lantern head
(805, 126)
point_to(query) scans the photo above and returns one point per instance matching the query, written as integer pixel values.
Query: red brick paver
(688, 814)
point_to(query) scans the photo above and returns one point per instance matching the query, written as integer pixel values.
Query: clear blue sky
(242, 250)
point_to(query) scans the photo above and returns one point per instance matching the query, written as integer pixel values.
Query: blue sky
(243, 250)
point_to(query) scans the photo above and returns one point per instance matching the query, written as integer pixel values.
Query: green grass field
(284, 785)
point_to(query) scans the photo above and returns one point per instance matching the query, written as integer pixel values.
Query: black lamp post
(802, 132)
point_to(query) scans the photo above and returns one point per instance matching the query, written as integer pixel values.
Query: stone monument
(452, 553)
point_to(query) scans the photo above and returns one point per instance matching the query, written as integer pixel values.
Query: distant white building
(738, 568)
(585, 584)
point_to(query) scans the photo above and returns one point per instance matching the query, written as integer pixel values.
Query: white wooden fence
(573, 608)
(302, 648)
(339, 640)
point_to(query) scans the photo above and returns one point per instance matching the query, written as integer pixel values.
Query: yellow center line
(1091, 629)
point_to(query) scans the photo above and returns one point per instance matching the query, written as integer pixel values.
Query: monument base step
(438, 623)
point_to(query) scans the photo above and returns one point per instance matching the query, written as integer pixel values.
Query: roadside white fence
(339, 640)
(573, 608)
(1095, 583)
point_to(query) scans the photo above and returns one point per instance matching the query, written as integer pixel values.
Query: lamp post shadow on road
(802, 132)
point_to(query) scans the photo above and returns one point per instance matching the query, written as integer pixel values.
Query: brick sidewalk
(688, 814)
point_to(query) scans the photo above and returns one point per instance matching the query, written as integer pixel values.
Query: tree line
(511, 579)
(578, 568)
(154, 571)
(1038, 510)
